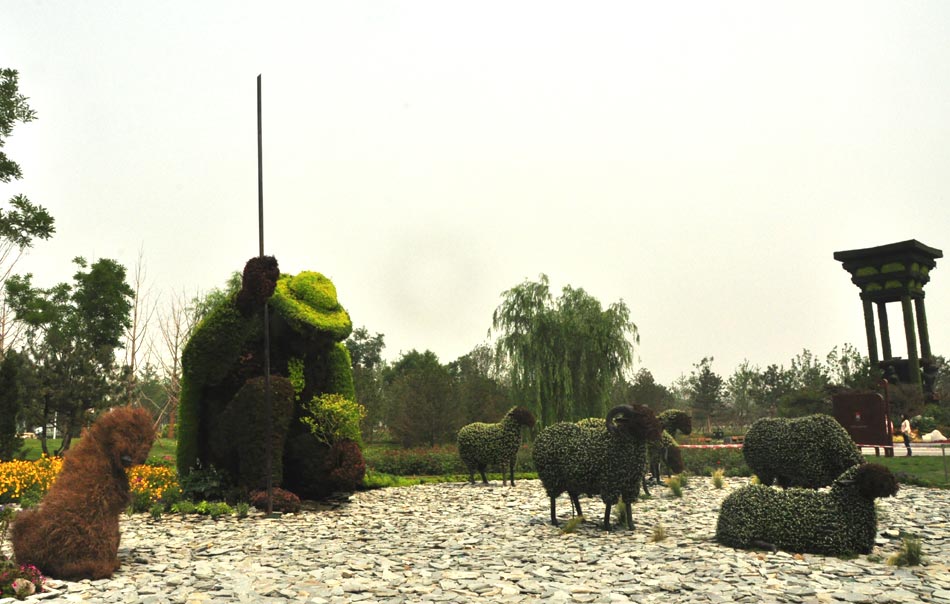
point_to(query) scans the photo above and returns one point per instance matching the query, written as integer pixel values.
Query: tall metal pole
(268, 420)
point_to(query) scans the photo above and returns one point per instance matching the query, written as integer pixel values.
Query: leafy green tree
(11, 390)
(644, 390)
(848, 368)
(740, 390)
(422, 411)
(681, 392)
(942, 382)
(809, 372)
(477, 392)
(563, 355)
(203, 304)
(73, 331)
(810, 379)
(769, 387)
(706, 390)
(366, 353)
(23, 222)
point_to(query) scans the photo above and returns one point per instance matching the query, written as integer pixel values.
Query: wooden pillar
(869, 328)
(885, 330)
(922, 328)
(909, 331)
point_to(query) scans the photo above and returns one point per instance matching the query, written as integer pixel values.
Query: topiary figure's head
(676, 420)
(636, 420)
(308, 303)
(872, 480)
(257, 283)
(522, 417)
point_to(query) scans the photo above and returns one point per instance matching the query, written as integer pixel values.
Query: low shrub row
(439, 460)
(703, 462)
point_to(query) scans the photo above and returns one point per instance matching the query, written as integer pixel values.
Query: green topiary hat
(308, 303)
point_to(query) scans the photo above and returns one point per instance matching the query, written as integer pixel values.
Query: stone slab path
(466, 543)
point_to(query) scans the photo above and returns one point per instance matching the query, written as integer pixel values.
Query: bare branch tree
(143, 310)
(176, 325)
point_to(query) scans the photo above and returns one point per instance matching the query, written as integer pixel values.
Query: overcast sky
(701, 161)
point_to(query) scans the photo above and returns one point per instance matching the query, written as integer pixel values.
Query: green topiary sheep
(665, 451)
(675, 420)
(597, 457)
(802, 452)
(481, 445)
(840, 521)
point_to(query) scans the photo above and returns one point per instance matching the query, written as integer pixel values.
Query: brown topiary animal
(74, 533)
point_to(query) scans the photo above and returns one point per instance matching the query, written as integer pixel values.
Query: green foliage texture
(481, 445)
(223, 358)
(803, 452)
(587, 458)
(309, 304)
(333, 417)
(841, 521)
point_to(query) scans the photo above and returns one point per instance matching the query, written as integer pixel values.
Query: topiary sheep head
(676, 420)
(636, 420)
(873, 480)
(522, 417)
(308, 303)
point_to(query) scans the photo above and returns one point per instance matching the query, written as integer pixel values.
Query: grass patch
(910, 554)
(162, 453)
(675, 483)
(919, 470)
(572, 525)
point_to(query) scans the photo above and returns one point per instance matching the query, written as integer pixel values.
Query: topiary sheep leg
(553, 512)
(575, 504)
(481, 471)
(606, 516)
(512, 471)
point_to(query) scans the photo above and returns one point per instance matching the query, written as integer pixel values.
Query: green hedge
(429, 461)
(703, 462)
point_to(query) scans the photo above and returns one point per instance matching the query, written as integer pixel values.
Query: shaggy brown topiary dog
(74, 533)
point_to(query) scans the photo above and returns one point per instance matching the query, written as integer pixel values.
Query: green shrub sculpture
(838, 522)
(597, 457)
(221, 409)
(675, 421)
(482, 445)
(807, 451)
(665, 451)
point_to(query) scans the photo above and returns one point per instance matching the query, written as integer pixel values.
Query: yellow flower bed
(154, 482)
(17, 477)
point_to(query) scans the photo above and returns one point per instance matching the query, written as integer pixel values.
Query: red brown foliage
(74, 533)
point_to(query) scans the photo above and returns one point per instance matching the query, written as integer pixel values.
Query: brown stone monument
(896, 272)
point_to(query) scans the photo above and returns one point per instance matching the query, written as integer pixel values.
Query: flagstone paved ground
(465, 543)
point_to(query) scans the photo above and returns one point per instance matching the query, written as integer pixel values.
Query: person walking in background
(905, 431)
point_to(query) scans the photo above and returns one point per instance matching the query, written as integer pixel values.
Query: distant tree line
(101, 339)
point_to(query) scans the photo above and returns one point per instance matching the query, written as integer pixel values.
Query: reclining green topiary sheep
(481, 445)
(807, 451)
(597, 457)
(837, 522)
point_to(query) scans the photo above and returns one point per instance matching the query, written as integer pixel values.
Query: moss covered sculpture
(840, 521)
(221, 411)
(805, 452)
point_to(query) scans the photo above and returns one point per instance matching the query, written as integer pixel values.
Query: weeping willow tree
(562, 354)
